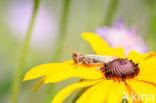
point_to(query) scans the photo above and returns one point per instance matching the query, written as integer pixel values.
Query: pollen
(120, 69)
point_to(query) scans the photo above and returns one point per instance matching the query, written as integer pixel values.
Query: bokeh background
(83, 16)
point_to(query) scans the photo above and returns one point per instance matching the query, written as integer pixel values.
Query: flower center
(120, 69)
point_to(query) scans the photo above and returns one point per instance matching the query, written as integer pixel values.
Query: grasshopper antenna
(72, 54)
(69, 49)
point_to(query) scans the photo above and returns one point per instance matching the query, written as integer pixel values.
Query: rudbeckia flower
(132, 77)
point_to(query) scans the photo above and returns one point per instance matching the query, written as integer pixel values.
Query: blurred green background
(83, 16)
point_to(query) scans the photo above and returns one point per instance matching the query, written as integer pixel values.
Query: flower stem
(17, 79)
(124, 101)
(152, 24)
(111, 11)
(59, 43)
(79, 94)
(62, 31)
(93, 14)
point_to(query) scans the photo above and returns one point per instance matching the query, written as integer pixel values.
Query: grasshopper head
(75, 57)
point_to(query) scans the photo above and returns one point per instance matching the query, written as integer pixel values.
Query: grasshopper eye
(75, 55)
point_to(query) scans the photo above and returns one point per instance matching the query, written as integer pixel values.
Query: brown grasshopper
(92, 60)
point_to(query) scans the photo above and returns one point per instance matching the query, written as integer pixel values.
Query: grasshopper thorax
(75, 57)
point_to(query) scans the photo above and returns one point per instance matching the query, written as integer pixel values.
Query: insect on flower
(91, 60)
(134, 73)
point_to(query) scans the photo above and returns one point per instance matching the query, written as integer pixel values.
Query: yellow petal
(70, 62)
(97, 93)
(100, 46)
(59, 98)
(118, 52)
(45, 69)
(144, 91)
(85, 96)
(126, 92)
(139, 57)
(147, 70)
(79, 72)
(116, 93)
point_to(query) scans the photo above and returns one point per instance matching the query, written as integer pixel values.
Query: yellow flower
(132, 77)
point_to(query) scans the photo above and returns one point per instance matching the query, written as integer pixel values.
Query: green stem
(59, 43)
(62, 31)
(152, 24)
(79, 94)
(17, 79)
(93, 14)
(111, 12)
(124, 101)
